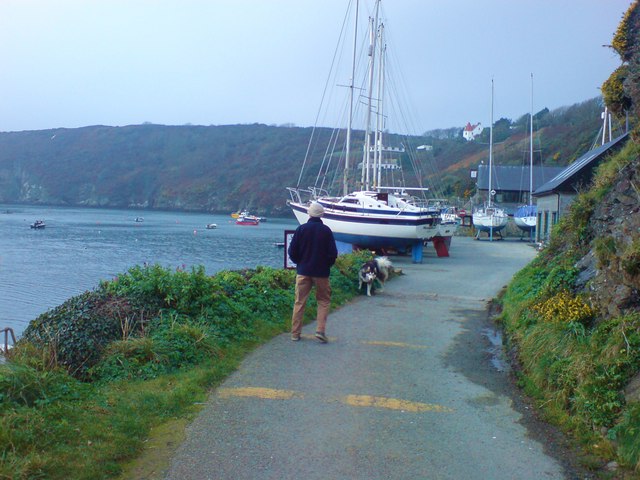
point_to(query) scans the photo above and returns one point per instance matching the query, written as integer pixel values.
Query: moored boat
(38, 224)
(247, 220)
(211, 226)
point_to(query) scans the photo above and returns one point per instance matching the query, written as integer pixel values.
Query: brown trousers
(323, 297)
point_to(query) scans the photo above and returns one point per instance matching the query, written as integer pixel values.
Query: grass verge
(92, 379)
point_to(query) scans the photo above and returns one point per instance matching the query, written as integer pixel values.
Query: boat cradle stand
(416, 252)
(441, 244)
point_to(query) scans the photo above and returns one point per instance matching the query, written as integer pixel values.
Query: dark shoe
(295, 337)
(321, 337)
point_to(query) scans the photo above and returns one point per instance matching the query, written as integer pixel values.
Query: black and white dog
(374, 270)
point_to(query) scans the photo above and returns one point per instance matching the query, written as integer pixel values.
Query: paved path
(404, 390)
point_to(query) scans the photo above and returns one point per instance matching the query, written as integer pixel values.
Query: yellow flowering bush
(564, 307)
(625, 35)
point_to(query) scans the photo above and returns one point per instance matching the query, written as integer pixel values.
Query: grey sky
(73, 63)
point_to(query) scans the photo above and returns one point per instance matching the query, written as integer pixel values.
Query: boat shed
(511, 183)
(554, 197)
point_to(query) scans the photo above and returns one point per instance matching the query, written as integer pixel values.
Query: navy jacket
(313, 248)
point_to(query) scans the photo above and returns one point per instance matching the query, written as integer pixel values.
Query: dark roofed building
(554, 197)
(511, 183)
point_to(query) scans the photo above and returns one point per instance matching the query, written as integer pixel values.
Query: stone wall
(611, 270)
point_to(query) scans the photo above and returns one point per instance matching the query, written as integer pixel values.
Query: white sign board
(288, 236)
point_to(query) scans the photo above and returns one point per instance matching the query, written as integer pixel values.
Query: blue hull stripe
(367, 241)
(400, 219)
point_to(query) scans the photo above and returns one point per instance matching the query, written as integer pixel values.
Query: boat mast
(380, 122)
(345, 180)
(491, 147)
(372, 47)
(531, 148)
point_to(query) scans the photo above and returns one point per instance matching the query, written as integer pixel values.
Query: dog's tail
(383, 262)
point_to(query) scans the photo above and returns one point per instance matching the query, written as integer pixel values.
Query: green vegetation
(206, 168)
(575, 367)
(90, 379)
(576, 358)
(580, 359)
(620, 91)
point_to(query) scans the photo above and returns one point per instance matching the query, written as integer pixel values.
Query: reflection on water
(40, 269)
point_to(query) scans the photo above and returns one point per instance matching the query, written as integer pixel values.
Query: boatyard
(477, 268)
(407, 387)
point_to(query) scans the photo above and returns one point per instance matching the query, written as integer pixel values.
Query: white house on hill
(470, 132)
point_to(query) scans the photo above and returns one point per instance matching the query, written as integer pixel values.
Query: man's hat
(315, 210)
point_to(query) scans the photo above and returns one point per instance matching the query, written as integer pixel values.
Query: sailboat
(373, 216)
(525, 216)
(489, 217)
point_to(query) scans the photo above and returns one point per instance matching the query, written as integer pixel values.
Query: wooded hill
(225, 168)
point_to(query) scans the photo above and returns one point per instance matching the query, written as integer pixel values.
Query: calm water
(40, 269)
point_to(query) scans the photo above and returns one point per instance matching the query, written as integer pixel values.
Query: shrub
(627, 436)
(185, 328)
(559, 278)
(272, 278)
(158, 287)
(613, 91)
(22, 385)
(581, 211)
(184, 342)
(564, 308)
(77, 331)
(128, 359)
(175, 344)
(630, 259)
(605, 250)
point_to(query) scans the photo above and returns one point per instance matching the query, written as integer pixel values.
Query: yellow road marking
(395, 344)
(351, 400)
(393, 404)
(267, 393)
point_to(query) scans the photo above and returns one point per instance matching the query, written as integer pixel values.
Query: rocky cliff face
(610, 272)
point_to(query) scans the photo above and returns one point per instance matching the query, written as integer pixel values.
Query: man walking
(313, 249)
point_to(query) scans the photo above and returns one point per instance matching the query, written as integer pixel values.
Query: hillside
(225, 168)
(572, 316)
(572, 319)
(151, 166)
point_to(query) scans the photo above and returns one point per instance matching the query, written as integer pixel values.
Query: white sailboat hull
(375, 230)
(525, 223)
(448, 229)
(525, 217)
(486, 221)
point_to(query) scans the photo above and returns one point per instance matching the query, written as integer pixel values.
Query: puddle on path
(498, 359)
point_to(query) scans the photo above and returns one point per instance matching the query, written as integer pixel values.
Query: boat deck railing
(306, 195)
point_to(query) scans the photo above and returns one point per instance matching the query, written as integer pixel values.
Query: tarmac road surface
(405, 389)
